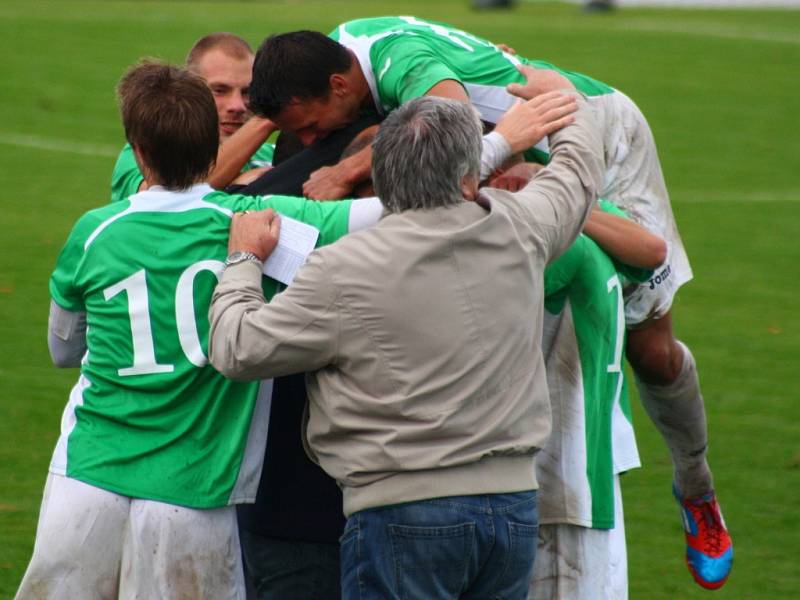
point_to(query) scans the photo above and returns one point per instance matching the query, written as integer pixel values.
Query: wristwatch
(240, 257)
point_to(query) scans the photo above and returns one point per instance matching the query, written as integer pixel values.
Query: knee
(655, 359)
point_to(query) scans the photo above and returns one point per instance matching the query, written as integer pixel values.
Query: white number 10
(144, 355)
(616, 366)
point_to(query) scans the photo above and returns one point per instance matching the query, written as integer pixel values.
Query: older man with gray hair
(421, 340)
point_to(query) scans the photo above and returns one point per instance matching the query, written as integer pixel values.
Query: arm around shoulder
(628, 242)
(295, 332)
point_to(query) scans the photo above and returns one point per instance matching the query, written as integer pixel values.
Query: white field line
(56, 145)
(99, 150)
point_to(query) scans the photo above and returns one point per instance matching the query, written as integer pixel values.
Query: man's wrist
(242, 256)
(354, 170)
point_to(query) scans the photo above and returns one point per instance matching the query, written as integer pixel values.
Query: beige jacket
(421, 336)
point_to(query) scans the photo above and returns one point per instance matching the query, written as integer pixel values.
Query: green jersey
(404, 57)
(592, 437)
(126, 177)
(149, 417)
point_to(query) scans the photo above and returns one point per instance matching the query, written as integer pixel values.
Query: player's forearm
(357, 168)
(625, 240)
(66, 336)
(237, 150)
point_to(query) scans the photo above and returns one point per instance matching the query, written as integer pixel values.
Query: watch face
(238, 257)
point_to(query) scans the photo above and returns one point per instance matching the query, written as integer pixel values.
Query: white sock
(678, 413)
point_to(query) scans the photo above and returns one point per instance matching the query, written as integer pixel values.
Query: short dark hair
(230, 44)
(294, 65)
(169, 115)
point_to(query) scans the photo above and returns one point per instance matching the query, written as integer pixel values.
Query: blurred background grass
(720, 90)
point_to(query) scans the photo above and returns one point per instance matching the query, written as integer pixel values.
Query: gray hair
(423, 151)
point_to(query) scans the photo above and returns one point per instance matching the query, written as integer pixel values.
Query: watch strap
(240, 257)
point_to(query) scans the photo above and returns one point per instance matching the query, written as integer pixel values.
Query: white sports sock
(678, 413)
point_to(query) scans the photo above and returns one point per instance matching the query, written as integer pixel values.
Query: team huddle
(434, 404)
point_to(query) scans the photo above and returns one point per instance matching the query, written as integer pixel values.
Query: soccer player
(225, 61)
(380, 63)
(581, 554)
(156, 446)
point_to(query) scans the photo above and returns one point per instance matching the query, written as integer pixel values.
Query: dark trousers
(290, 570)
(290, 536)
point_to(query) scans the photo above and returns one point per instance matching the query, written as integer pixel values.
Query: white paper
(295, 243)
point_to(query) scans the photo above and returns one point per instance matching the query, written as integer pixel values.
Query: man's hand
(506, 48)
(327, 183)
(515, 177)
(526, 123)
(537, 82)
(255, 232)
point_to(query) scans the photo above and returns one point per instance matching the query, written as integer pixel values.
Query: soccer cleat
(709, 549)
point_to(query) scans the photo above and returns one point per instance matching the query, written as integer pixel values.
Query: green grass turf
(720, 90)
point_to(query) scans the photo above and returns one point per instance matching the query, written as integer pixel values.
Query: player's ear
(339, 84)
(141, 159)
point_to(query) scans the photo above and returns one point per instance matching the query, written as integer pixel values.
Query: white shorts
(94, 544)
(580, 563)
(635, 183)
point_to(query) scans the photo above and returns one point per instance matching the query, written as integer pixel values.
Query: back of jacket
(438, 361)
(421, 338)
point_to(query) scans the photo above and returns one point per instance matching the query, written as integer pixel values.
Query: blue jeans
(471, 547)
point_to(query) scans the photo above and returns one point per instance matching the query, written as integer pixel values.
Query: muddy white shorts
(634, 182)
(94, 544)
(580, 563)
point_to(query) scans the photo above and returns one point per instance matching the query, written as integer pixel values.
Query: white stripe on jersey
(58, 464)
(624, 452)
(360, 46)
(246, 486)
(157, 199)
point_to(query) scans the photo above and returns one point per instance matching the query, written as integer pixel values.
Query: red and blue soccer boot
(709, 549)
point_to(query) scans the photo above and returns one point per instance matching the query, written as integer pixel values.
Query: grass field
(721, 91)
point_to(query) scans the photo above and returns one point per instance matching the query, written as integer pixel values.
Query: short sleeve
(406, 69)
(63, 287)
